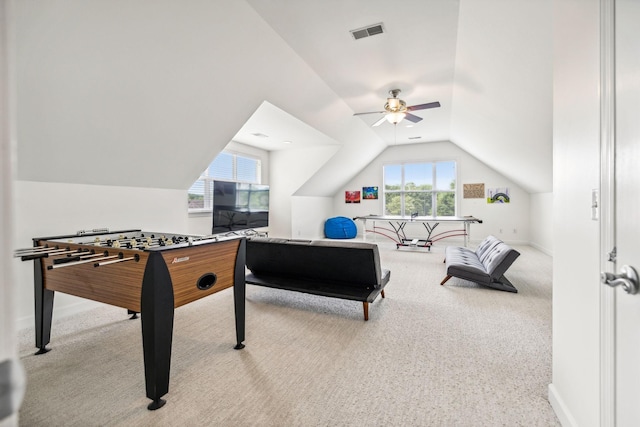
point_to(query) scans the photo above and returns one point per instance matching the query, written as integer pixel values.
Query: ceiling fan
(396, 109)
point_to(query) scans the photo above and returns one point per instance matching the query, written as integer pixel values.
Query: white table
(398, 224)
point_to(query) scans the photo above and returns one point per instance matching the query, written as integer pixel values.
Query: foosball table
(144, 272)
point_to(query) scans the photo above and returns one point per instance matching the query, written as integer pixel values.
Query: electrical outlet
(515, 231)
(500, 231)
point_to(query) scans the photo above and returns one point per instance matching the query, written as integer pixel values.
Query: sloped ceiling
(502, 96)
(488, 62)
(145, 94)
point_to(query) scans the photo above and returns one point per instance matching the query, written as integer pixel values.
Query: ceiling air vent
(370, 30)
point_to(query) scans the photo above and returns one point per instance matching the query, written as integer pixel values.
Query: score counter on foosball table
(144, 272)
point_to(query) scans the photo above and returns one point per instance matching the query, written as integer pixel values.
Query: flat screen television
(239, 206)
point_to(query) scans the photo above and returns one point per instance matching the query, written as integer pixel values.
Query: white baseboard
(512, 242)
(541, 249)
(59, 313)
(559, 407)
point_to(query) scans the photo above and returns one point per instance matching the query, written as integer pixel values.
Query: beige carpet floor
(430, 355)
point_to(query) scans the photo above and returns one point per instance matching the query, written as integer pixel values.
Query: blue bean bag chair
(340, 227)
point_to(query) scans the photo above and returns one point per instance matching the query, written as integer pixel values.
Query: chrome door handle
(628, 279)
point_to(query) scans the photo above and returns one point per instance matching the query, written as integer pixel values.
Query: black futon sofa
(338, 269)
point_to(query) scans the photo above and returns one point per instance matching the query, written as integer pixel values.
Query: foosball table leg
(239, 293)
(157, 312)
(43, 309)
(156, 404)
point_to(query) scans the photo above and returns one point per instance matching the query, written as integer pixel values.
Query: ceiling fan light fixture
(395, 118)
(396, 110)
(393, 103)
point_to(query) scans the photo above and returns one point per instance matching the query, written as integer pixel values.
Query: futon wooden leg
(382, 294)
(445, 279)
(365, 305)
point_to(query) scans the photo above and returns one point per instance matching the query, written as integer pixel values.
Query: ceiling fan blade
(424, 106)
(370, 112)
(412, 118)
(379, 122)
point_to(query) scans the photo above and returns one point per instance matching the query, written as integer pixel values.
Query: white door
(627, 210)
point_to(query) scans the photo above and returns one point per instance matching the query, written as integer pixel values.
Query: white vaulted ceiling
(416, 53)
(144, 93)
(488, 62)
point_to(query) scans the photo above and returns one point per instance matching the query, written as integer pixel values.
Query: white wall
(289, 170)
(574, 392)
(541, 222)
(308, 215)
(6, 206)
(502, 96)
(49, 209)
(200, 223)
(8, 340)
(510, 222)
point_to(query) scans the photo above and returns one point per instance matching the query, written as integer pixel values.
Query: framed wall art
(352, 196)
(498, 195)
(473, 191)
(369, 193)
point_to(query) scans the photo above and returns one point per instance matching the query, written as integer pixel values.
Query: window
(225, 167)
(428, 189)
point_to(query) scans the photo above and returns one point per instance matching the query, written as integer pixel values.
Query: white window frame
(207, 179)
(434, 191)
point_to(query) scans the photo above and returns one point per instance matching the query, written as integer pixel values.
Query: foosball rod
(67, 252)
(33, 249)
(36, 251)
(29, 256)
(84, 261)
(124, 241)
(80, 256)
(140, 245)
(131, 258)
(91, 255)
